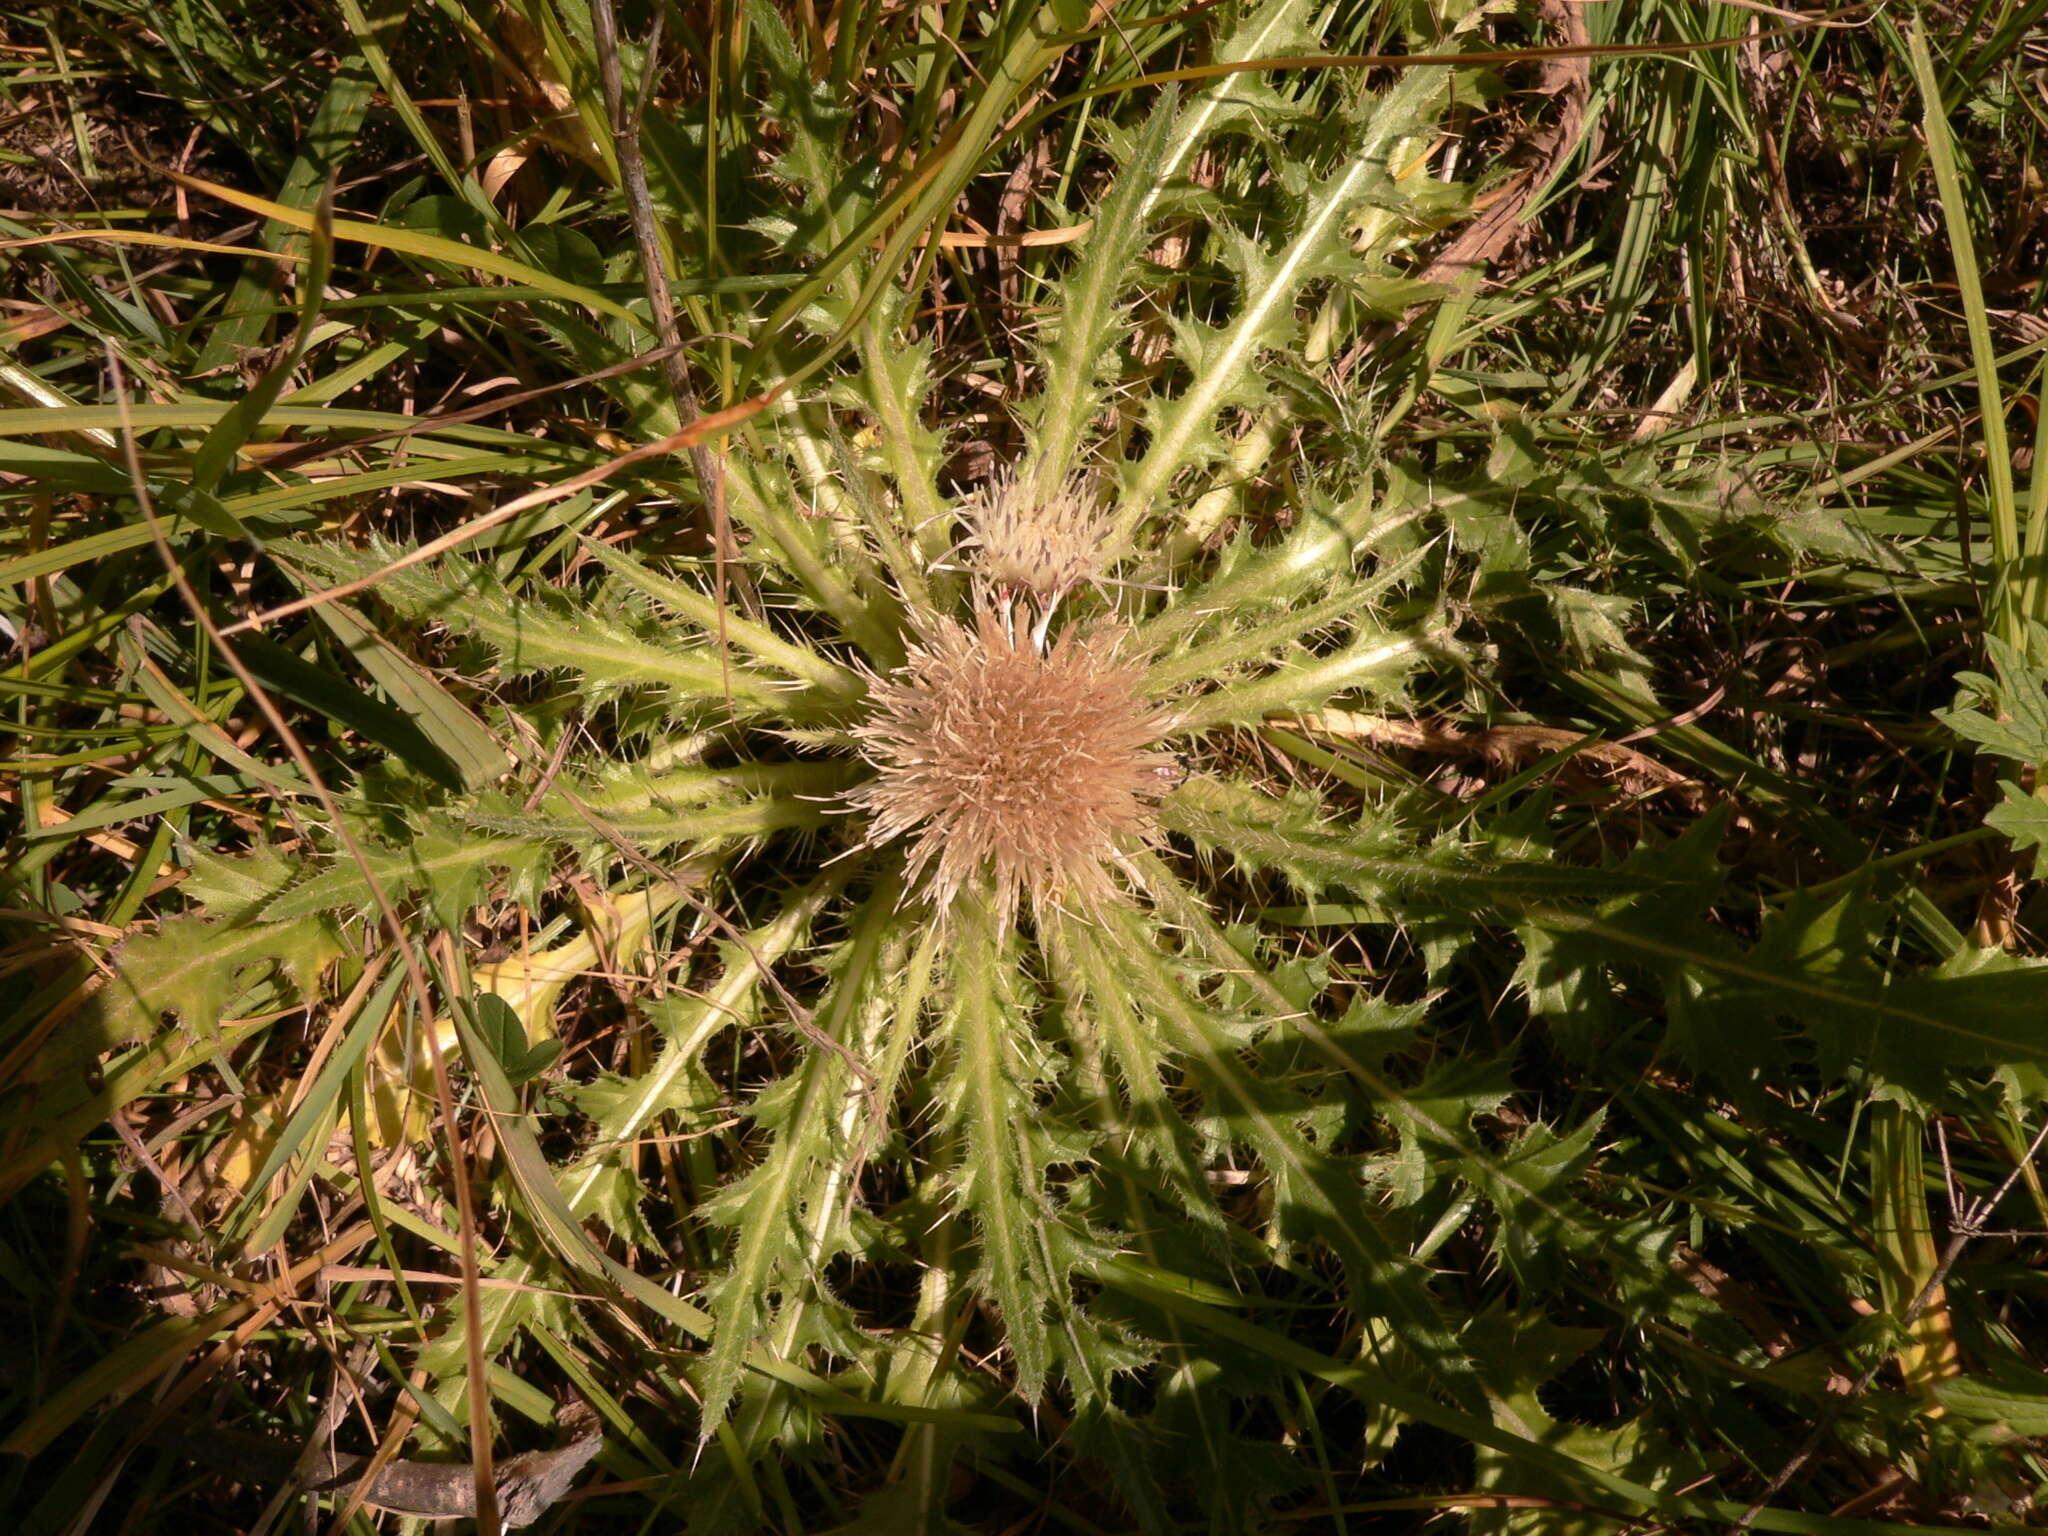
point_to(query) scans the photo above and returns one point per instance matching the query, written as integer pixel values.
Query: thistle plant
(976, 771)
(1016, 1013)
(984, 752)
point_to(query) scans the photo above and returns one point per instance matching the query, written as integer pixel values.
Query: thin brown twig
(479, 1415)
(540, 496)
(1969, 1224)
(173, 1191)
(1832, 20)
(302, 453)
(625, 128)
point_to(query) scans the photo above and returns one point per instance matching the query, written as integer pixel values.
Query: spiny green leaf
(191, 969)
(1001, 1182)
(1148, 1123)
(1373, 861)
(1916, 1029)
(1522, 1354)
(1453, 1095)
(445, 862)
(699, 827)
(1315, 1195)
(544, 630)
(1373, 662)
(785, 1209)
(1221, 361)
(800, 663)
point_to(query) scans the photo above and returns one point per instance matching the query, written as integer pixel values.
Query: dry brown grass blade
(1489, 56)
(291, 455)
(1567, 76)
(1024, 240)
(625, 131)
(703, 428)
(147, 237)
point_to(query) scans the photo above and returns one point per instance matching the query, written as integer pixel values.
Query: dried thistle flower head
(1035, 764)
(1045, 545)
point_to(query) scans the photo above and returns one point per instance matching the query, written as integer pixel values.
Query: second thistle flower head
(1042, 544)
(1038, 765)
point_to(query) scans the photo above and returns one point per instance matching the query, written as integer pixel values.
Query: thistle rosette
(1012, 746)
